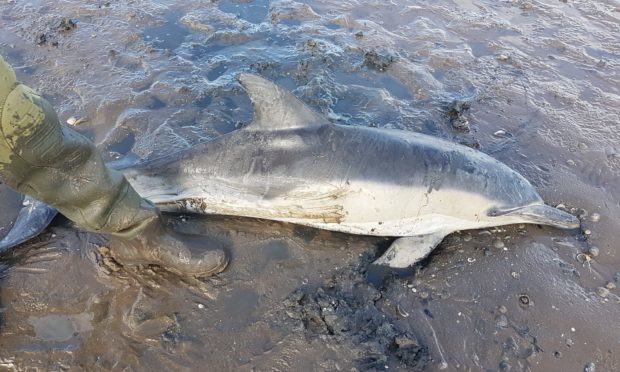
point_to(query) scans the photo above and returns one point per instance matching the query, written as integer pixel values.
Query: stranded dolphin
(292, 165)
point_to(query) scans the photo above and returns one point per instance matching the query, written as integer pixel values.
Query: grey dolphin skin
(292, 165)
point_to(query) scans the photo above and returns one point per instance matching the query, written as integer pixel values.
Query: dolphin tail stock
(32, 219)
(542, 214)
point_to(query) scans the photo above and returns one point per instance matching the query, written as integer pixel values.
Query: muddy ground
(534, 84)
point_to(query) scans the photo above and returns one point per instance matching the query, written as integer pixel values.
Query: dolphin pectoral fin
(409, 250)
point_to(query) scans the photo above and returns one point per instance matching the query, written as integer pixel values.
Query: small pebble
(524, 299)
(503, 57)
(587, 232)
(582, 146)
(610, 286)
(590, 367)
(504, 366)
(74, 121)
(595, 217)
(502, 321)
(201, 306)
(500, 133)
(466, 237)
(602, 292)
(503, 309)
(515, 274)
(594, 251)
(582, 258)
(570, 162)
(569, 342)
(498, 244)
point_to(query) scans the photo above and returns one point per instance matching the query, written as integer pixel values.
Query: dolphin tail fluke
(33, 218)
(546, 215)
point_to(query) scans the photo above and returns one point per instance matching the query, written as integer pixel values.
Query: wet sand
(532, 83)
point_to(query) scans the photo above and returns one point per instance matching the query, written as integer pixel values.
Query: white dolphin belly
(365, 208)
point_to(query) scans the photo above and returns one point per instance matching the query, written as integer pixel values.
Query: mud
(541, 81)
(344, 310)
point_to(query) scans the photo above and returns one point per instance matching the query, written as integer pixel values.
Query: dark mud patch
(378, 60)
(345, 311)
(66, 25)
(53, 30)
(457, 112)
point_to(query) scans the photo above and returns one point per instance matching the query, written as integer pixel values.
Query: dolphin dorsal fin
(276, 108)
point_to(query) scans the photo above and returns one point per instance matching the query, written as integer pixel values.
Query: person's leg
(55, 164)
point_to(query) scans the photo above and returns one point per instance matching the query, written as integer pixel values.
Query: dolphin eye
(493, 212)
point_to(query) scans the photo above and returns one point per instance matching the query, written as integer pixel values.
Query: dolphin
(291, 164)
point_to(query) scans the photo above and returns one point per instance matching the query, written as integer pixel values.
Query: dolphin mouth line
(499, 211)
(539, 214)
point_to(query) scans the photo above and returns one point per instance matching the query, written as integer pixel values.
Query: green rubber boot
(57, 165)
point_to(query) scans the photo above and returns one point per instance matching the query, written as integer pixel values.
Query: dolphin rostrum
(290, 164)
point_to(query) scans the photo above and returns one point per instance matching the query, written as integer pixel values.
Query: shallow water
(541, 79)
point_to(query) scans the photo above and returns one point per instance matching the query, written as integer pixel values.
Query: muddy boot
(55, 164)
(179, 253)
